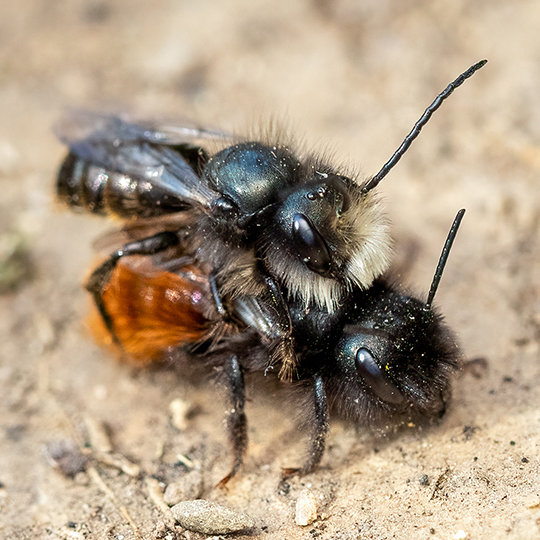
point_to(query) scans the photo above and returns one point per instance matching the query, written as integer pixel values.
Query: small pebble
(9, 157)
(16, 267)
(65, 456)
(179, 410)
(207, 517)
(306, 508)
(461, 535)
(532, 501)
(97, 433)
(424, 480)
(187, 487)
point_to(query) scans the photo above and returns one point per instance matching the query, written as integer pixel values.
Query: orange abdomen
(155, 311)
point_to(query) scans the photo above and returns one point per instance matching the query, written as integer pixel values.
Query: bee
(384, 356)
(261, 221)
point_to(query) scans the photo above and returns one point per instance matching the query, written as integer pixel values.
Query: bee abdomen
(154, 311)
(83, 184)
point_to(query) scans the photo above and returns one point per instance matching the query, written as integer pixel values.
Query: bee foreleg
(282, 350)
(101, 276)
(269, 315)
(236, 417)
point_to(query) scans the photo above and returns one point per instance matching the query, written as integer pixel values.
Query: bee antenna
(443, 258)
(417, 128)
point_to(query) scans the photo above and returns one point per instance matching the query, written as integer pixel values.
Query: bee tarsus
(320, 423)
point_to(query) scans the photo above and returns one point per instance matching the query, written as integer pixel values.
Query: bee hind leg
(101, 276)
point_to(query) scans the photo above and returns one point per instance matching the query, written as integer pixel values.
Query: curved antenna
(443, 258)
(415, 131)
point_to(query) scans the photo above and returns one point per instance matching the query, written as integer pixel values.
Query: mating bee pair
(250, 259)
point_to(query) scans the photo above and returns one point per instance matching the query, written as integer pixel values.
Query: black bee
(261, 221)
(287, 253)
(384, 356)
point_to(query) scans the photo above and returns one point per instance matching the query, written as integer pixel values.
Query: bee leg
(269, 315)
(217, 297)
(282, 348)
(101, 276)
(236, 417)
(320, 423)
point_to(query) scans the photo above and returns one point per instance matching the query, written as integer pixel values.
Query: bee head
(326, 237)
(394, 356)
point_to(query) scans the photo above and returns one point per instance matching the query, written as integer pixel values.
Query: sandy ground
(350, 76)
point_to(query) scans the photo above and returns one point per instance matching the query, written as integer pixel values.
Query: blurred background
(346, 77)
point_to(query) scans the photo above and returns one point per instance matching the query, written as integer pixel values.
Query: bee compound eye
(310, 245)
(376, 379)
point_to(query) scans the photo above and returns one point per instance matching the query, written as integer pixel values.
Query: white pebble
(179, 412)
(306, 508)
(189, 486)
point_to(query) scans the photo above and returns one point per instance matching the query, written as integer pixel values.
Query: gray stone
(207, 517)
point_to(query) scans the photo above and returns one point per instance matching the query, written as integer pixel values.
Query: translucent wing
(166, 157)
(78, 125)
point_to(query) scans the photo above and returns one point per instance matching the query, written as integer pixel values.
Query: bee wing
(79, 125)
(142, 228)
(173, 135)
(142, 151)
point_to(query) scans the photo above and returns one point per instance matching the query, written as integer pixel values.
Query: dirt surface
(349, 76)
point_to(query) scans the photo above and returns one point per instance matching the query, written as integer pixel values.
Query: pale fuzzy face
(364, 256)
(366, 228)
